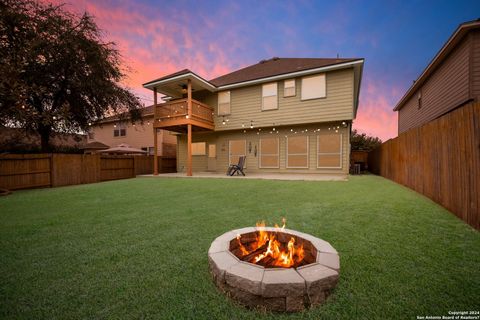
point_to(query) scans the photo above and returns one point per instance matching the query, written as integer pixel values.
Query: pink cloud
(375, 115)
(154, 47)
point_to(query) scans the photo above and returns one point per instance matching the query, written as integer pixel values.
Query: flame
(240, 245)
(282, 257)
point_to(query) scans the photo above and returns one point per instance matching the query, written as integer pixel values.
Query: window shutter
(329, 151)
(289, 88)
(223, 103)
(314, 87)
(269, 96)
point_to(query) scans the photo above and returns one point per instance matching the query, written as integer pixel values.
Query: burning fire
(268, 247)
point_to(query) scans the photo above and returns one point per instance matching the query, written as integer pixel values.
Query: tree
(57, 74)
(360, 141)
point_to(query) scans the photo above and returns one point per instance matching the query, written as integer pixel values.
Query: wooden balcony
(175, 116)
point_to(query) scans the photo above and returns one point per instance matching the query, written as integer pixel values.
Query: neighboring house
(451, 80)
(113, 132)
(284, 114)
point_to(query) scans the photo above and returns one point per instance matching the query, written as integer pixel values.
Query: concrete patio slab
(261, 176)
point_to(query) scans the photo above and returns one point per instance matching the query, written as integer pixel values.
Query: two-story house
(114, 130)
(283, 114)
(451, 80)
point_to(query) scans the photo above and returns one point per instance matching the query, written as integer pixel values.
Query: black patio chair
(237, 168)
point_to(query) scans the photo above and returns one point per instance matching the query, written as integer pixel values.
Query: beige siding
(138, 136)
(444, 90)
(199, 163)
(246, 104)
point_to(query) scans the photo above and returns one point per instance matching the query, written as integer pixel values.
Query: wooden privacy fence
(23, 171)
(440, 160)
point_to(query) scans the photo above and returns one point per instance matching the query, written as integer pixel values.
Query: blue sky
(397, 39)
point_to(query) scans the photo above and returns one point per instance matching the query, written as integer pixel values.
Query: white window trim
(276, 95)
(269, 154)
(229, 102)
(313, 76)
(230, 155)
(298, 154)
(331, 153)
(294, 88)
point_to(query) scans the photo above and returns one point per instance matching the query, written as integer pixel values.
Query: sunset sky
(396, 38)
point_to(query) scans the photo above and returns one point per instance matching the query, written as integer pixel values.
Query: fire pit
(274, 269)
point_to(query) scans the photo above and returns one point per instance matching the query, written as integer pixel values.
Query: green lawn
(137, 248)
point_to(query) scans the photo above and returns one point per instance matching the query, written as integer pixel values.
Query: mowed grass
(137, 248)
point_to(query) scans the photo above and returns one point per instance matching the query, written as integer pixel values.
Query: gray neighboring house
(451, 80)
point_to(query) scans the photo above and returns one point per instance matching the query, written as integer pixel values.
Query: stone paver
(319, 280)
(282, 282)
(245, 276)
(294, 303)
(330, 260)
(219, 262)
(221, 243)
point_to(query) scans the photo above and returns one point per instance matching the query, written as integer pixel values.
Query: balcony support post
(189, 133)
(189, 151)
(155, 135)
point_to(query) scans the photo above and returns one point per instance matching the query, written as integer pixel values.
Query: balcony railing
(178, 109)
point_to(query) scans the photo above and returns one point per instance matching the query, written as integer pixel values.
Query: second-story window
(289, 88)
(119, 131)
(314, 87)
(269, 96)
(223, 103)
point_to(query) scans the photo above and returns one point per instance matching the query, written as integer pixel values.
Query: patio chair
(237, 168)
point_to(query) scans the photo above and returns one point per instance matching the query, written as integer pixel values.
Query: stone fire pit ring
(275, 289)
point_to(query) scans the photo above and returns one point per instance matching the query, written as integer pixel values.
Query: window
(199, 149)
(289, 88)
(223, 103)
(150, 150)
(314, 87)
(329, 151)
(269, 96)
(91, 135)
(297, 152)
(269, 153)
(236, 149)
(119, 131)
